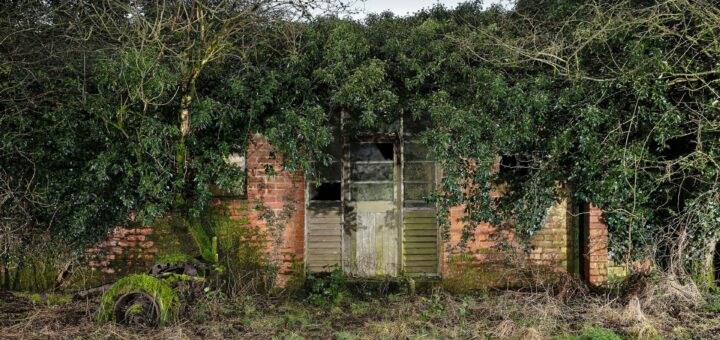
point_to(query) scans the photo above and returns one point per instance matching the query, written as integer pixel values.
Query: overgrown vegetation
(531, 314)
(122, 112)
(619, 100)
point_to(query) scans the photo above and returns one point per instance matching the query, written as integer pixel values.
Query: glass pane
(417, 191)
(330, 172)
(424, 172)
(372, 192)
(372, 152)
(415, 152)
(372, 172)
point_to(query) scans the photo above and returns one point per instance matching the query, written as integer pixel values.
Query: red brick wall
(282, 194)
(275, 205)
(550, 246)
(124, 249)
(597, 247)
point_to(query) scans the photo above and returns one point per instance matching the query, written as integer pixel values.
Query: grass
(508, 314)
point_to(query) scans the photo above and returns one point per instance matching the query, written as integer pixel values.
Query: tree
(618, 99)
(118, 112)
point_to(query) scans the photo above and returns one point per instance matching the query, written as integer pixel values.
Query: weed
(436, 307)
(326, 289)
(592, 333)
(713, 304)
(345, 336)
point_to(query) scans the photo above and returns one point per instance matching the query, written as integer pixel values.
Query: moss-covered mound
(167, 301)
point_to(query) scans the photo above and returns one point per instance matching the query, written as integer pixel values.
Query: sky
(404, 7)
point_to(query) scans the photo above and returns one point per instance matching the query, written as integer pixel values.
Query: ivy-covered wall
(274, 212)
(493, 255)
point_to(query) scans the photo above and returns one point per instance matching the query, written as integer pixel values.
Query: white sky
(404, 7)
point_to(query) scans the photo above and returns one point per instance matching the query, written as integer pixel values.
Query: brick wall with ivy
(273, 208)
(555, 248)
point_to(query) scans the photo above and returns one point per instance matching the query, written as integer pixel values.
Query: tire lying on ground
(139, 299)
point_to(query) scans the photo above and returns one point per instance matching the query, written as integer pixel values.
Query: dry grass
(651, 310)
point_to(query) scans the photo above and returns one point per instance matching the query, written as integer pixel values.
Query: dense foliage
(616, 102)
(117, 112)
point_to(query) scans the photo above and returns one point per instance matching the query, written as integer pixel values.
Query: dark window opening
(583, 241)
(512, 164)
(325, 192)
(387, 150)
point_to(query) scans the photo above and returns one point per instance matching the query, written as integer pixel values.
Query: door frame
(346, 194)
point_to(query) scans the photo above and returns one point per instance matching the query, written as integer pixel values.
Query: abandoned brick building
(371, 219)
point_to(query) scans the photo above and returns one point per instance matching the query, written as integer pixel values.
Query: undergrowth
(330, 309)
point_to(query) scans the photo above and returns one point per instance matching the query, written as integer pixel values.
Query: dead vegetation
(645, 308)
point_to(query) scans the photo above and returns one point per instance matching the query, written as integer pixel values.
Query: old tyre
(136, 308)
(139, 299)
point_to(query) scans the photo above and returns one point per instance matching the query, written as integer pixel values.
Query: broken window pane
(325, 192)
(366, 152)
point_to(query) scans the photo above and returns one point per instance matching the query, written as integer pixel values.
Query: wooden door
(371, 229)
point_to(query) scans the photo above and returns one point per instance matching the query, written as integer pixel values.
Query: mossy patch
(167, 300)
(176, 258)
(49, 300)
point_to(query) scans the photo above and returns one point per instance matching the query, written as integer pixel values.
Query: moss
(176, 258)
(203, 240)
(172, 238)
(172, 278)
(36, 272)
(164, 296)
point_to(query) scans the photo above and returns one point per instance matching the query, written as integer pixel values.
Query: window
(372, 171)
(329, 189)
(418, 175)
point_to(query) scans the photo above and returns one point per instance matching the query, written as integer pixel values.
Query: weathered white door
(371, 230)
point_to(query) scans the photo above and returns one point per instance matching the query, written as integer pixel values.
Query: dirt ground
(663, 310)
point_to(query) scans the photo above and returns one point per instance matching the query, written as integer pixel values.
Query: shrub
(326, 288)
